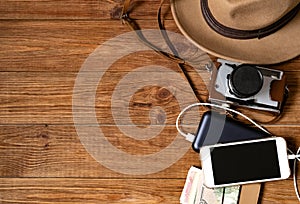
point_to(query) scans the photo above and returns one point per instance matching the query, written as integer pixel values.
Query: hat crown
(249, 14)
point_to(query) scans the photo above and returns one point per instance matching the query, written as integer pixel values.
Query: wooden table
(43, 45)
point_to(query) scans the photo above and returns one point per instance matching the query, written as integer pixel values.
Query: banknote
(194, 192)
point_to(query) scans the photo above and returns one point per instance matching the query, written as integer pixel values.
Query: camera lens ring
(245, 81)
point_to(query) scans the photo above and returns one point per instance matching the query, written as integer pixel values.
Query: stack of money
(194, 192)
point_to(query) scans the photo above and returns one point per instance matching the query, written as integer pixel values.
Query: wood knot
(43, 139)
(43, 135)
(164, 94)
(46, 146)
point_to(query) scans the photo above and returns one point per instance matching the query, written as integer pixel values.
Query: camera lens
(245, 81)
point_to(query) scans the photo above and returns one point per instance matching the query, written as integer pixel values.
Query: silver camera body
(249, 86)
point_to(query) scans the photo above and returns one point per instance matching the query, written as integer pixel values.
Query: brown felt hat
(248, 31)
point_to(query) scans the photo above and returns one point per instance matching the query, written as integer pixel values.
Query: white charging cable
(191, 137)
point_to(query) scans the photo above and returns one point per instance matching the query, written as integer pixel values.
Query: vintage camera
(248, 85)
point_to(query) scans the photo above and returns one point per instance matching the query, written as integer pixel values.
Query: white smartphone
(245, 162)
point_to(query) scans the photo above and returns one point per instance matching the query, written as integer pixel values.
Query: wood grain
(57, 45)
(43, 98)
(56, 151)
(54, 45)
(90, 190)
(42, 160)
(76, 9)
(71, 190)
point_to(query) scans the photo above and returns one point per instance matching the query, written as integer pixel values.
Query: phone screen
(245, 162)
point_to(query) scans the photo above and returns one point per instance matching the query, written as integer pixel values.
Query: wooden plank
(69, 190)
(46, 98)
(45, 47)
(56, 151)
(65, 45)
(58, 45)
(44, 191)
(76, 9)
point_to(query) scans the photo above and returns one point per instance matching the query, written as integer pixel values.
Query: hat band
(245, 34)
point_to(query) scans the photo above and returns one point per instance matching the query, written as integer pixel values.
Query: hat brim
(278, 47)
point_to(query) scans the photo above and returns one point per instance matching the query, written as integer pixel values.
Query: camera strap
(135, 27)
(132, 24)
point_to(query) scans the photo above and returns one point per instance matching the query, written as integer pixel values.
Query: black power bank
(218, 128)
